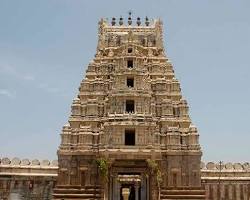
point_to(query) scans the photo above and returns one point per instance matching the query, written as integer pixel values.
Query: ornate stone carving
(35, 162)
(45, 163)
(5, 161)
(129, 107)
(25, 162)
(15, 161)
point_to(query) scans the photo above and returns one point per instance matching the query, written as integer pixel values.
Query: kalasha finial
(138, 21)
(113, 21)
(147, 21)
(121, 21)
(129, 18)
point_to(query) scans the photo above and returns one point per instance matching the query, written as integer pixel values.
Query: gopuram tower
(129, 135)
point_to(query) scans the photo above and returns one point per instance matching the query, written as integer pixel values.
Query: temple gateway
(129, 136)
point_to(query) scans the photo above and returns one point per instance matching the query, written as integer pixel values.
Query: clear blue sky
(46, 45)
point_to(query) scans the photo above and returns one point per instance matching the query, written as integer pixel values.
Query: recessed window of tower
(130, 50)
(130, 82)
(130, 137)
(130, 64)
(130, 106)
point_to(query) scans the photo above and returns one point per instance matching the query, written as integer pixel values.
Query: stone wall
(34, 179)
(229, 181)
(27, 179)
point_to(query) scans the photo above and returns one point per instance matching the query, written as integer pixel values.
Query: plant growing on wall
(155, 169)
(102, 165)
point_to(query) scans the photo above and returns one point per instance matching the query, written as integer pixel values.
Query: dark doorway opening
(130, 50)
(130, 64)
(130, 137)
(130, 106)
(130, 82)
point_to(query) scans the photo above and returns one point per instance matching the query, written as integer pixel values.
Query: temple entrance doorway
(129, 180)
(130, 187)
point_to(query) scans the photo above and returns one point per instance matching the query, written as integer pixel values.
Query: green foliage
(152, 164)
(102, 164)
(155, 169)
(159, 177)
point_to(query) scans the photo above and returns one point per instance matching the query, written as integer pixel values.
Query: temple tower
(129, 135)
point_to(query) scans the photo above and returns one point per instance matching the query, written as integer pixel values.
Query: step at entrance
(69, 192)
(193, 193)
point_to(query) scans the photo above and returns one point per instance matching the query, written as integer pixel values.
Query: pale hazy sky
(46, 45)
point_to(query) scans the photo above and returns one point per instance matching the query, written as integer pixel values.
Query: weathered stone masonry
(130, 114)
(35, 180)
(129, 134)
(26, 180)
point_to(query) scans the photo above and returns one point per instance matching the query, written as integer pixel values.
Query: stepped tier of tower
(130, 83)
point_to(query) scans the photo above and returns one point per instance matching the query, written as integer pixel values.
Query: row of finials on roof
(138, 21)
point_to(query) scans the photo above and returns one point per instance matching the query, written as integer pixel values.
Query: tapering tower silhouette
(129, 134)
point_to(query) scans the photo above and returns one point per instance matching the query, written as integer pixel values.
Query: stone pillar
(117, 189)
(245, 192)
(237, 190)
(207, 191)
(136, 191)
(210, 197)
(143, 188)
(147, 186)
(222, 191)
(215, 192)
(125, 193)
(230, 192)
(234, 192)
(114, 187)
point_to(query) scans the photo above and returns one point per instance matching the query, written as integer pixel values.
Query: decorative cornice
(205, 167)
(17, 162)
